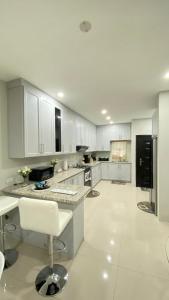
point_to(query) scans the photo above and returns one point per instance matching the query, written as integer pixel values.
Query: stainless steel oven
(87, 176)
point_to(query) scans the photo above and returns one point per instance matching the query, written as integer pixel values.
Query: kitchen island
(73, 235)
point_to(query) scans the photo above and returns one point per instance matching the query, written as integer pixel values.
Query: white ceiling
(119, 65)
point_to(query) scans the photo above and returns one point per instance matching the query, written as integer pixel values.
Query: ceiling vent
(85, 26)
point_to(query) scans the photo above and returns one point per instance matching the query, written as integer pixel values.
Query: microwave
(41, 173)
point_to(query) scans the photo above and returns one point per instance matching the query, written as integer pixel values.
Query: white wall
(9, 167)
(139, 127)
(163, 157)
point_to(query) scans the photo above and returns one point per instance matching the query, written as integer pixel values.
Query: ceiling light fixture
(108, 118)
(60, 94)
(85, 26)
(166, 76)
(111, 122)
(104, 111)
(105, 275)
(112, 242)
(109, 258)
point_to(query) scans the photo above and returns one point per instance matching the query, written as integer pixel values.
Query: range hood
(80, 148)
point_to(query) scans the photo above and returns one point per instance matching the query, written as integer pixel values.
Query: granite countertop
(95, 163)
(107, 161)
(117, 162)
(28, 191)
(59, 177)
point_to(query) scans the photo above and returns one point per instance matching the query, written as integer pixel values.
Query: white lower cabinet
(96, 174)
(124, 172)
(105, 171)
(75, 180)
(116, 171)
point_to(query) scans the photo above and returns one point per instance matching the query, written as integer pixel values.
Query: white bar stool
(2, 263)
(45, 217)
(6, 205)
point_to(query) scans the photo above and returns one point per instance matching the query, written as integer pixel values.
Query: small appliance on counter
(103, 159)
(65, 165)
(93, 156)
(86, 158)
(41, 173)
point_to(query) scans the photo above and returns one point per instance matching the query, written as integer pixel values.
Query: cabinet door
(125, 172)
(105, 171)
(80, 179)
(99, 138)
(78, 130)
(103, 138)
(68, 131)
(124, 131)
(31, 116)
(46, 127)
(113, 171)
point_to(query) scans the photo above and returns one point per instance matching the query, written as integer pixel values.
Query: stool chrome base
(51, 281)
(11, 256)
(92, 194)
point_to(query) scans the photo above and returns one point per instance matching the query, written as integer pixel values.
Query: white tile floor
(122, 258)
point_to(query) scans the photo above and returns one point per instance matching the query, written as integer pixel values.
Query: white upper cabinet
(85, 133)
(107, 133)
(121, 131)
(46, 127)
(68, 131)
(103, 138)
(31, 118)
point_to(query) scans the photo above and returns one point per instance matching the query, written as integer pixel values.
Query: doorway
(144, 161)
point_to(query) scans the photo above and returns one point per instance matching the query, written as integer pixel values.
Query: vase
(25, 181)
(54, 169)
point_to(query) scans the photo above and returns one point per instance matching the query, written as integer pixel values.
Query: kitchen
(84, 150)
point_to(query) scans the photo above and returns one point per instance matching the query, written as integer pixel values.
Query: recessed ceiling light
(108, 118)
(112, 242)
(60, 94)
(105, 275)
(111, 122)
(166, 76)
(109, 258)
(104, 111)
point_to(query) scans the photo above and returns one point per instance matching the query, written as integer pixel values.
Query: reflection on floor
(122, 258)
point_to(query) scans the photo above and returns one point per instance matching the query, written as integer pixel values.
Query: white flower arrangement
(24, 172)
(54, 162)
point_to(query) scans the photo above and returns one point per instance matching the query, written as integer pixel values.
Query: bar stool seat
(6, 205)
(44, 216)
(2, 262)
(64, 218)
